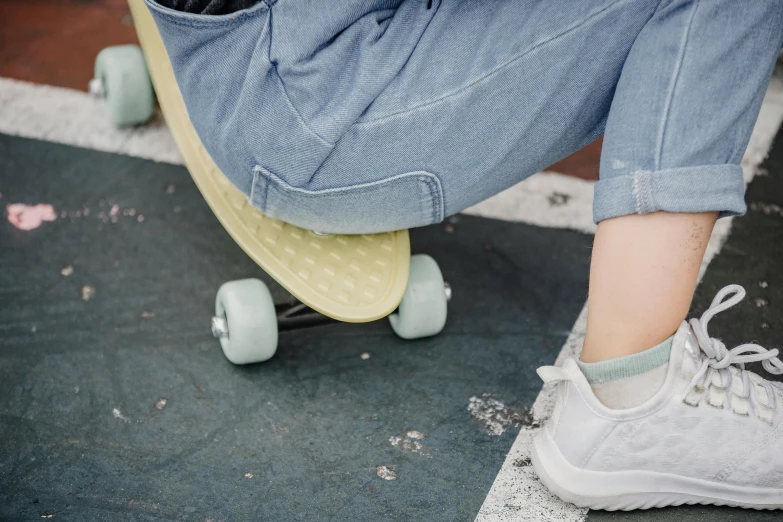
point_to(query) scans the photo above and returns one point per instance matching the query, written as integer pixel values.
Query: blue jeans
(358, 116)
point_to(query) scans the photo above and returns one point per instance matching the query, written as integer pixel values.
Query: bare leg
(642, 278)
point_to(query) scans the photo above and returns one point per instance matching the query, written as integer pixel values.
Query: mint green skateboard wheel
(422, 311)
(245, 321)
(122, 82)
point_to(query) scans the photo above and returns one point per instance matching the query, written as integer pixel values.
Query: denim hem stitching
(646, 186)
(635, 193)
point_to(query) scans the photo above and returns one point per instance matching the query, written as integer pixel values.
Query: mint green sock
(629, 365)
(629, 381)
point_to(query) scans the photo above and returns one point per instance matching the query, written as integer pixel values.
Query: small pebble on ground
(88, 292)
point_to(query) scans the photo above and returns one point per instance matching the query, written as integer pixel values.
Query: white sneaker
(712, 435)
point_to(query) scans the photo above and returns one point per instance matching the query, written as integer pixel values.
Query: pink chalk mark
(28, 217)
(114, 210)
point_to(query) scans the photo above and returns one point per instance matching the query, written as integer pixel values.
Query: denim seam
(672, 88)
(193, 20)
(643, 192)
(255, 188)
(436, 197)
(296, 111)
(635, 193)
(430, 180)
(285, 91)
(494, 71)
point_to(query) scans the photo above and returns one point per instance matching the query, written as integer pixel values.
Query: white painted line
(517, 494)
(74, 118)
(546, 199)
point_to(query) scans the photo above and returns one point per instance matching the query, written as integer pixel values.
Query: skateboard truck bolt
(219, 327)
(97, 88)
(447, 291)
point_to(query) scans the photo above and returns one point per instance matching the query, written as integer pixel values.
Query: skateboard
(351, 278)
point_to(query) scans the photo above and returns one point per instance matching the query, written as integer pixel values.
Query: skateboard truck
(289, 316)
(293, 316)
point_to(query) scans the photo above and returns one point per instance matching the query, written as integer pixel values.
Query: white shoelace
(715, 357)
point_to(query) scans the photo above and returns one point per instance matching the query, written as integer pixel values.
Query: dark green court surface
(85, 433)
(117, 404)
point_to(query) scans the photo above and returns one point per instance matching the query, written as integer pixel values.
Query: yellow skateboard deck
(349, 278)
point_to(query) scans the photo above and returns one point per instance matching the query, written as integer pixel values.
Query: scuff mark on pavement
(495, 417)
(767, 208)
(558, 199)
(29, 217)
(409, 443)
(386, 473)
(118, 415)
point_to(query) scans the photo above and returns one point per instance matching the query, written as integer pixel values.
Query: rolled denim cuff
(706, 188)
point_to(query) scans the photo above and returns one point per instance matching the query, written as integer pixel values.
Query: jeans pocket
(399, 202)
(164, 14)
